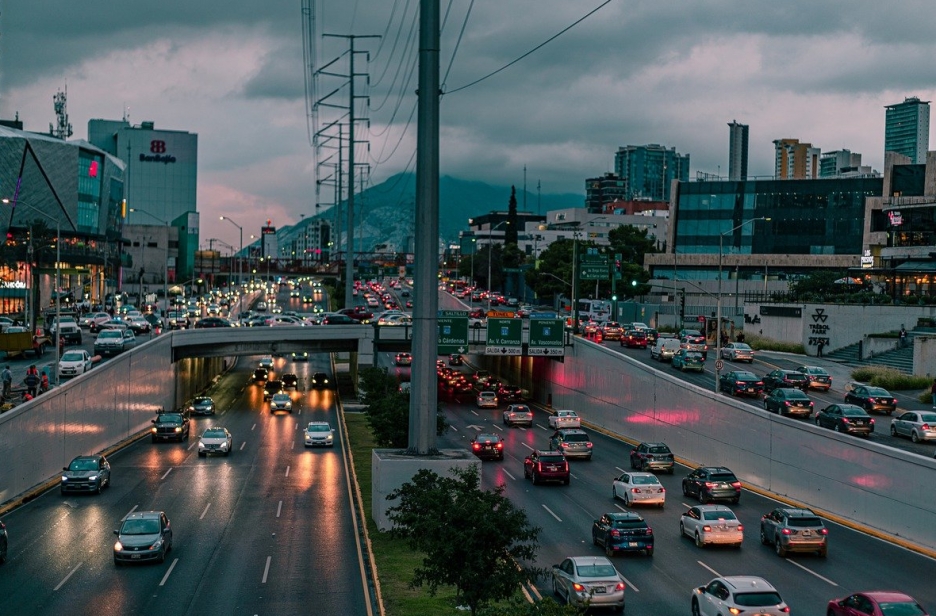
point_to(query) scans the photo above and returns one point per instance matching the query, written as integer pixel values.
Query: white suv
(738, 594)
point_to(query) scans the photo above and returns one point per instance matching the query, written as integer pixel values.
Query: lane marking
(542, 428)
(527, 446)
(266, 570)
(189, 448)
(168, 572)
(551, 513)
(686, 506)
(166, 473)
(292, 445)
(808, 570)
(252, 427)
(628, 582)
(297, 425)
(710, 570)
(621, 507)
(475, 413)
(202, 516)
(70, 573)
(129, 512)
(244, 444)
(453, 427)
(279, 508)
(572, 475)
(508, 474)
(497, 427)
(620, 469)
(287, 471)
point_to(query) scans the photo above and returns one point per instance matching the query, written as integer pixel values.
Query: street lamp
(240, 255)
(166, 261)
(721, 241)
(490, 251)
(58, 278)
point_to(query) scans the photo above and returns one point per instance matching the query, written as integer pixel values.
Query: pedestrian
(933, 394)
(32, 383)
(740, 337)
(44, 383)
(7, 377)
(903, 337)
(819, 347)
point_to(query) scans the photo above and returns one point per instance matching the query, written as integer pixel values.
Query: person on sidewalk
(7, 377)
(819, 348)
(933, 394)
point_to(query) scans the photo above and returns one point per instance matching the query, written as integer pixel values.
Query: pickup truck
(70, 331)
(16, 341)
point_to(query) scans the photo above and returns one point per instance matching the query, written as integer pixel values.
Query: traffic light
(614, 298)
(682, 306)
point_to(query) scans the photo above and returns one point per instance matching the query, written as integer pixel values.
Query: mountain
(388, 210)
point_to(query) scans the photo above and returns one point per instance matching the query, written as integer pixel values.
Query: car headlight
(201, 445)
(178, 429)
(64, 479)
(157, 544)
(118, 546)
(153, 429)
(93, 478)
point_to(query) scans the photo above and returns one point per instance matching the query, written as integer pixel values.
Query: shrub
(890, 379)
(760, 343)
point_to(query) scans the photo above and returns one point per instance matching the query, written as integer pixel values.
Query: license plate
(632, 544)
(600, 590)
(750, 390)
(134, 556)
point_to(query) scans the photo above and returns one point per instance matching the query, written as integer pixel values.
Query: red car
(876, 603)
(634, 339)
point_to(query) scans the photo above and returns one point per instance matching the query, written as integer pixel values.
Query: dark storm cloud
(279, 76)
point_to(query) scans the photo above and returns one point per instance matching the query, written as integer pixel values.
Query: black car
(741, 383)
(787, 401)
(271, 388)
(202, 405)
(86, 474)
(652, 457)
(290, 380)
(785, 378)
(320, 380)
(711, 483)
(622, 532)
(488, 447)
(509, 393)
(170, 427)
(818, 377)
(261, 374)
(846, 418)
(872, 399)
(338, 319)
(455, 359)
(212, 322)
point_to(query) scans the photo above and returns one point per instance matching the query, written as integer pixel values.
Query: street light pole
(240, 254)
(718, 300)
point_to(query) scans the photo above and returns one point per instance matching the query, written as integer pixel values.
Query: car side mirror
(701, 589)
(64, 468)
(152, 421)
(117, 532)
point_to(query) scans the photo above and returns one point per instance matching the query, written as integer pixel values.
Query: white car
(319, 434)
(639, 488)
(92, 320)
(517, 414)
(282, 320)
(74, 362)
(487, 399)
(215, 440)
(738, 594)
(280, 402)
(565, 419)
(711, 524)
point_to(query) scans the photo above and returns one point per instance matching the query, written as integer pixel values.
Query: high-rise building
(795, 161)
(649, 170)
(906, 129)
(839, 163)
(737, 150)
(603, 190)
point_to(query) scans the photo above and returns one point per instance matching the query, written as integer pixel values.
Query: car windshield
(520, 409)
(566, 414)
(630, 524)
(903, 608)
(853, 412)
(793, 393)
(804, 522)
(722, 477)
(877, 391)
(318, 428)
(576, 438)
(170, 419)
(928, 417)
(140, 527)
(741, 346)
(745, 376)
(202, 400)
(816, 370)
(214, 433)
(109, 334)
(596, 571)
(719, 515)
(693, 355)
(72, 356)
(757, 599)
(488, 438)
(83, 465)
(659, 450)
(281, 398)
(487, 394)
(644, 480)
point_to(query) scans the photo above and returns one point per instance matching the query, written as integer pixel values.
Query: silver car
(518, 414)
(589, 581)
(738, 351)
(918, 425)
(639, 488)
(711, 524)
(202, 405)
(319, 434)
(142, 536)
(215, 440)
(280, 402)
(565, 419)
(487, 399)
(738, 594)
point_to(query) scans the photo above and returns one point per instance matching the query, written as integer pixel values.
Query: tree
(475, 540)
(554, 274)
(820, 282)
(511, 232)
(388, 408)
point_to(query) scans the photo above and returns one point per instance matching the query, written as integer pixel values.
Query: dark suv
(622, 532)
(170, 427)
(290, 380)
(652, 457)
(710, 483)
(574, 443)
(794, 530)
(785, 378)
(546, 466)
(271, 388)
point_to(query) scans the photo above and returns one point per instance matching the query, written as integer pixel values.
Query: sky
(631, 73)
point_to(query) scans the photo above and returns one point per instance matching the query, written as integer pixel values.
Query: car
(564, 419)
(572, 442)
(871, 399)
(711, 524)
(790, 529)
(738, 351)
(652, 336)
(786, 401)
(846, 418)
(918, 425)
(338, 319)
(290, 380)
(693, 340)
(212, 322)
(741, 383)
(4, 539)
(215, 440)
(395, 320)
(114, 341)
(487, 399)
(93, 320)
(638, 488)
(266, 362)
(622, 531)
(652, 457)
(280, 402)
(611, 330)
(664, 349)
(143, 536)
(785, 378)
(319, 434)
(294, 293)
(876, 603)
(74, 362)
(138, 325)
(320, 380)
(480, 376)
(170, 426)
(589, 581)
(261, 374)
(487, 446)
(404, 359)
(202, 405)
(86, 474)
(738, 594)
(634, 339)
(455, 359)
(546, 466)
(271, 388)
(299, 356)
(817, 376)
(711, 483)
(684, 359)
(118, 324)
(518, 414)
(509, 393)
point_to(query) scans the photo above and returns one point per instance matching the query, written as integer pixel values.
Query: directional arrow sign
(546, 338)
(453, 331)
(593, 271)
(474, 427)
(504, 337)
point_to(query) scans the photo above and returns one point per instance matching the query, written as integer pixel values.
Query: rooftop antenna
(61, 129)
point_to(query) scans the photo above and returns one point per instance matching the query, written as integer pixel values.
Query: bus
(594, 310)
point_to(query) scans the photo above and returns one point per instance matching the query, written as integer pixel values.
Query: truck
(70, 331)
(19, 341)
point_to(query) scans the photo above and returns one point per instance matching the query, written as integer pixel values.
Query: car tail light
(709, 484)
(925, 427)
(739, 383)
(785, 610)
(615, 533)
(589, 445)
(620, 586)
(635, 490)
(565, 466)
(539, 466)
(761, 383)
(649, 531)
(500, 445)
(786, 531)
(476, 446)
(736, 484)
(872, 400)
(871, 421)
(786, 403)
(577, 587)
(707, 528)
(740, 527)
(823, 531)
(845, 420)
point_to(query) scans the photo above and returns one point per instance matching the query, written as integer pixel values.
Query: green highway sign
(593, 271)
(546, 338)
(504, 337)
(453, 331)
(589, 258)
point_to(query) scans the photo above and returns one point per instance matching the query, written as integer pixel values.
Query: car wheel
(817, 421)
(535, 478)
(201, 454)
(609, 551)
(778, 547)
(682, 530)
(627, 502)
(695, 607)
(698, 540)
(162, 555)
(565, 481)
(763, 538)
(594, 538)
(705, 499)
(838, 427)
(649, 552)
(685, 489)
(893, 432)
(913, 435)
(613, 493)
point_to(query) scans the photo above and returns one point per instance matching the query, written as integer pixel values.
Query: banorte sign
(157, 153)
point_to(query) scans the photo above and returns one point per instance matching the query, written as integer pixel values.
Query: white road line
(542, 428)
(509, 475)
(572, 475)
(129, 512)
(70, 573)
(299, 413)
(168, 572)
(628, 582)
(266, 570)
(710, 570)
(252, 427)
(475, 413)
(202, 516)
(189, 448)
(620, 469)
(297, 425)
(292, 445)
(496, 427)
(551, 513)
(527, 446)
(165, 474)
(244, 444)
(453, 427)
(808, 570)
(279, 508)
(287, 471)
(536, 592)
(621, 507)
(686, 506)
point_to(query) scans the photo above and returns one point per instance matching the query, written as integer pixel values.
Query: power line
(457, 43)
